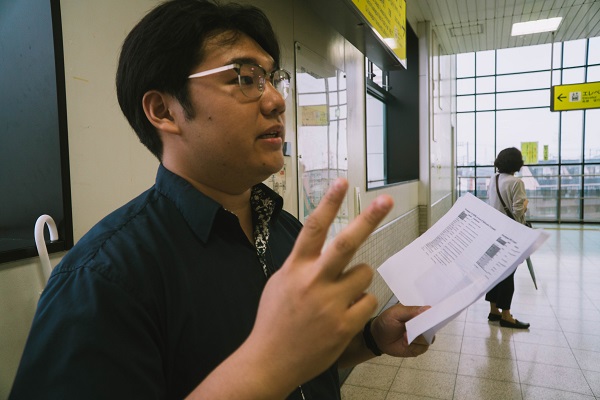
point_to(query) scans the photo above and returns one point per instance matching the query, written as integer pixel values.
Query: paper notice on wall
(459, 259)
(529, 150)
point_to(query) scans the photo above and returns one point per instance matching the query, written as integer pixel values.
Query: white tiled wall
(441, 207)
(385, 242)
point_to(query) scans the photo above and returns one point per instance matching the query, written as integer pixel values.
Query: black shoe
(515, 325)
(494, 317)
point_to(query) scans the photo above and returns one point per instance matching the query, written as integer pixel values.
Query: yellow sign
(316, 115)
(529, 150)
(575, 97)
(388, 19)
(545, 152)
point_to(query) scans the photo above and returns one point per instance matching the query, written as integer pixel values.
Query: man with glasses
(203, 286)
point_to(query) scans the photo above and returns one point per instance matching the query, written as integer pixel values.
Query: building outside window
(503, 100)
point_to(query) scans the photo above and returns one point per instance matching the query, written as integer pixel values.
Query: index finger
(341, 250)
(312, 237)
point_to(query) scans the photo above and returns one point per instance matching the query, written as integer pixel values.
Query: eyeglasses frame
(237, 67)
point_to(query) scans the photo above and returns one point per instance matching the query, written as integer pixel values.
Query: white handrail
(40, 242)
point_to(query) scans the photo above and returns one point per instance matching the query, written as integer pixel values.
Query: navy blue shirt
(152, 299)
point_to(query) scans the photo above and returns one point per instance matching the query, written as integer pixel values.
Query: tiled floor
(557, 358)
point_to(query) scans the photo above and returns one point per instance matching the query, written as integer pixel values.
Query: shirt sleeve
(90, 339)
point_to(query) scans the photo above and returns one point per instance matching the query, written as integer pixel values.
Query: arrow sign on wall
(578, 96)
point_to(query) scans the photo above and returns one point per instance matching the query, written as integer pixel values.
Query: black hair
(161, 51)
(509, 161)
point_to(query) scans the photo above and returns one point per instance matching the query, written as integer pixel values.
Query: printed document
(459, 259)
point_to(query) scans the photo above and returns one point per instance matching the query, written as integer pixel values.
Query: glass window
(376, 75)
(485, 85)
(511, 95)
(592, 169)
(594, 51)
(573, 75)
(591, 193)
(593, 74)
(484, 175)
(465, 65)
(532, 98)
(340, 112)
(571, 136)
(465, 103)
(485, 102)
(465, 180)
(482, 184)
(538, 125)
(322, 135)
(375, 171)
(542, 192)
(375, 142)
(556, 77)
(485, 62)
(592, 138)
(485, 128)
(465, 86)
(523, 59)
(574, 53)
(465, 139)
(557, 56)
(591, 206)
(570, 193)
(310, 98)
(534, 80)
(337, 97)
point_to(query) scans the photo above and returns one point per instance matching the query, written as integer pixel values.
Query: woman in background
(512, 190)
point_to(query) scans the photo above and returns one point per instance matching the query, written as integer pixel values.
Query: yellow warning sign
(578, 96)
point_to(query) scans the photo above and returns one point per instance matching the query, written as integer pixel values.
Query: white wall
(109, 166)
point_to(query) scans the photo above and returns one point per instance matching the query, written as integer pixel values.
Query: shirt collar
(199, 210)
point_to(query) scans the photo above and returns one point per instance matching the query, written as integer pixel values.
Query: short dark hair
(509, 161)
(161, 51)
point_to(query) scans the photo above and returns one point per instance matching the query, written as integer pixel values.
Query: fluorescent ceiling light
(541, 25)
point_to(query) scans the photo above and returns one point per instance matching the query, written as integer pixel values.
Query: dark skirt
(502, 293)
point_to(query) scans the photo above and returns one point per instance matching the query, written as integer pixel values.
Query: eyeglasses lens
(281, 82)
(253, 80)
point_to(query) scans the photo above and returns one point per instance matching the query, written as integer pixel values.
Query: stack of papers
(459, 259)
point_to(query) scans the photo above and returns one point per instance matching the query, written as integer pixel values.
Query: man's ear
(158, 111)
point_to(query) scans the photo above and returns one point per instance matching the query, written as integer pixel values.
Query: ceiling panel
(474, 25)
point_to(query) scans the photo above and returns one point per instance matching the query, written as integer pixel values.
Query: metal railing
(552, 198)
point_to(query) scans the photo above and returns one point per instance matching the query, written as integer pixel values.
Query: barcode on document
(488, 255)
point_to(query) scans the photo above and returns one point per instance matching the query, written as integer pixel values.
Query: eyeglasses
(252, 78)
